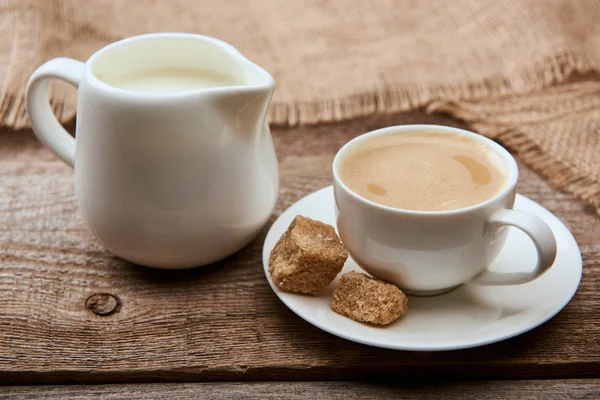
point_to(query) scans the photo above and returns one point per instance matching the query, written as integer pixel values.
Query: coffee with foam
(423, 171)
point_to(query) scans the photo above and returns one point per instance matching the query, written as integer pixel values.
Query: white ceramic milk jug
(175, 174)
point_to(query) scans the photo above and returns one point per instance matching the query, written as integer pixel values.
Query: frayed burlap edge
(556, 172)
(390, 99)
(549, 72)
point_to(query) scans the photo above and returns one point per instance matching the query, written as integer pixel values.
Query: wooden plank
(222, 322)
(483, 390)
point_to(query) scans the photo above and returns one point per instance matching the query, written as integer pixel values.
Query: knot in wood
(103, 304)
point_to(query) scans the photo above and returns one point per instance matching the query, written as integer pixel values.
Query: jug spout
(245, 108)
(245, 105)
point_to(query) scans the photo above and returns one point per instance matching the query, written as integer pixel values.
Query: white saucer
(467, 317)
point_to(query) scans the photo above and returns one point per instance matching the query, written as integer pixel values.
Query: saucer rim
(417, 347)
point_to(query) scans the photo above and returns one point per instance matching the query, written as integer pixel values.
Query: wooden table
(71, 313)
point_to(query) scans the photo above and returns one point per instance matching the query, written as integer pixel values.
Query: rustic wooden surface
(483, 390)
(223, 322)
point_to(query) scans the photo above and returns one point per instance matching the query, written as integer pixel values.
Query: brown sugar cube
(366, 299)
(307, 257)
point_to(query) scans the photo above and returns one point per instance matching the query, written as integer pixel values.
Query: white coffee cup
(173, 179)
(427, 253)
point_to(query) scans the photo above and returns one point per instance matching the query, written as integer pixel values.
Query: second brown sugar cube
(307, 258)
(366, 299)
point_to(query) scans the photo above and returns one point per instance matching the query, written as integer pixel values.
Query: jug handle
(43, 121)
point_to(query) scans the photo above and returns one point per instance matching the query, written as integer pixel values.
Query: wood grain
(484, 390)
(222, 322)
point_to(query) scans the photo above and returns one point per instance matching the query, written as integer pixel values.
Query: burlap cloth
(525, 72)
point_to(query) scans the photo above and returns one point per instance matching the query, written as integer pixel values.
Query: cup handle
(542, 237)
(45, 125)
